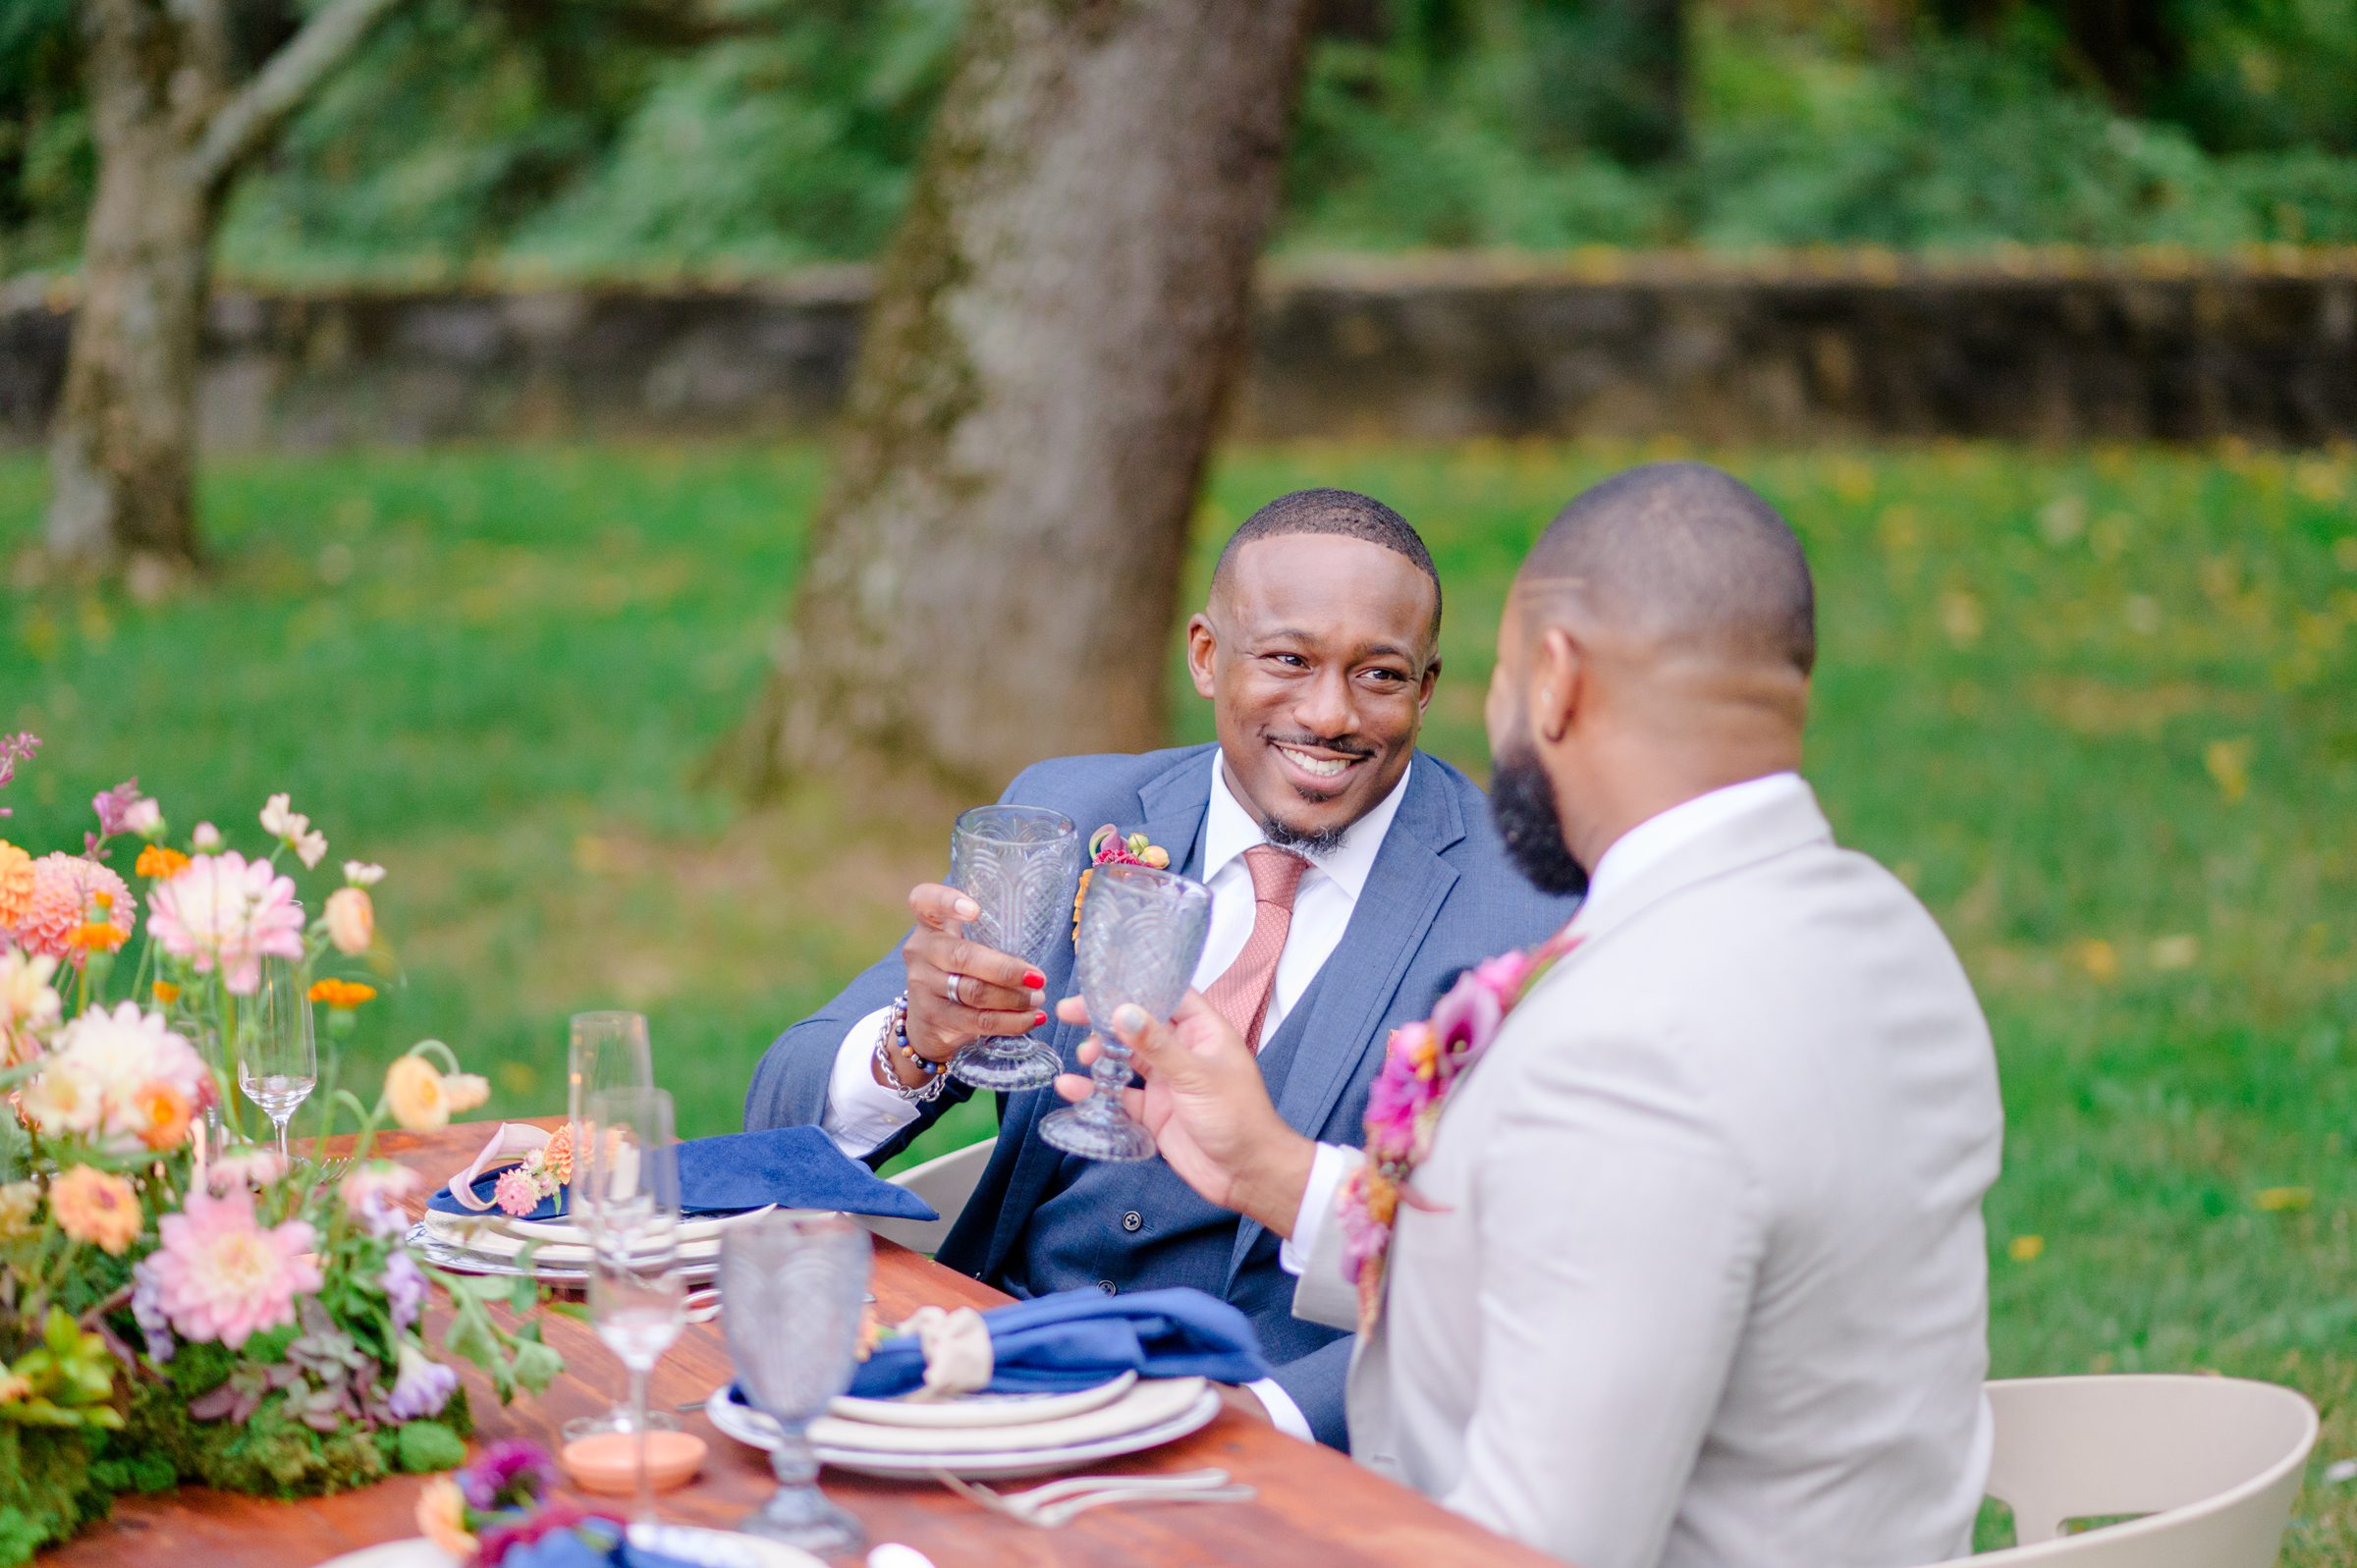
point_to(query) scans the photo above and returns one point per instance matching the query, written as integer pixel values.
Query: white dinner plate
(980, 1410)
(755, 1429)
(708, 1548)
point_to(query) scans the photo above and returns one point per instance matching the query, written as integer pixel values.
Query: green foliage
(645, 137)
(45, 1489)
(428, 1445)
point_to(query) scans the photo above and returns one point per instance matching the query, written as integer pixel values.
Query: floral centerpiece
(177, 1303)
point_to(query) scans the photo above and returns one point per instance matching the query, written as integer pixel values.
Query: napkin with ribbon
(794, 1167)
(1072, 1339)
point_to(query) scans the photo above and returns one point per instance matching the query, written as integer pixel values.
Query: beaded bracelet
(893, 1040)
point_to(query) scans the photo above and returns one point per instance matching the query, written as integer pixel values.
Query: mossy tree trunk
(172, 131)
(994, 570)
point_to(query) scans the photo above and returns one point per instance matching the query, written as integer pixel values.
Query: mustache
(1348, 745)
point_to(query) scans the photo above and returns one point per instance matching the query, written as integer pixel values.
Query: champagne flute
(792, 1289)
(278, 1046)
(1018, 865)
(629, 1195)
(1142, 935)
(605, 1050)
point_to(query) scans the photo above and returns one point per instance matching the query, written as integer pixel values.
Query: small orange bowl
(607, 1462)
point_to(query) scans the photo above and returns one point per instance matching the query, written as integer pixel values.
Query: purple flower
(14, 749)
(1467, 1019)
(147, 1307)
(403, 1286)
(510, 1472)
(422, 1385)
(114, 807)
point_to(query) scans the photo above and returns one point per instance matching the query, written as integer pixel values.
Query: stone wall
(2040, 347)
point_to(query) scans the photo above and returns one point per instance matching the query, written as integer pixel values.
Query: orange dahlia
(160, 862)
(16, 884)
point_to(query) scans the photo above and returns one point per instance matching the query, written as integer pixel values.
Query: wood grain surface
(1315, 1507)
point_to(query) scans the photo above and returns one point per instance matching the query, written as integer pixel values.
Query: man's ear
(1557, 676)
(1432, 677)
(1202, 645)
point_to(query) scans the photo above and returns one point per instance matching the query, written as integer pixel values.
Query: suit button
(1105, 1286)
(1132, 1220)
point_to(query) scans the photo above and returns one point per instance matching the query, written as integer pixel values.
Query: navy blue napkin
(794, 1167)
(1080, 1338)
(593, 1544)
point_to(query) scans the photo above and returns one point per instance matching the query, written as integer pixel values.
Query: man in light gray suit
(1694, 1271)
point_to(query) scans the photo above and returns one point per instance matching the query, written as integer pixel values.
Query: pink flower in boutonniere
(1107, 847)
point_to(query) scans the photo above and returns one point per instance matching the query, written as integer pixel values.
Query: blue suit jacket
(1442, 896)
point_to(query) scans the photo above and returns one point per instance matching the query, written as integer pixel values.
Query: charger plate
(1154, 1413)
(980, 1410)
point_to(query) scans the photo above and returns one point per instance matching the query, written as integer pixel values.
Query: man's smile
(1317, 765)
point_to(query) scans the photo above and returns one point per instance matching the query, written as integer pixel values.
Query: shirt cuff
(861, 1112)
(1284, 1414)
(1327, 1168)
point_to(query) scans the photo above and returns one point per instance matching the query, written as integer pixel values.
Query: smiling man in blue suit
(1352, 877)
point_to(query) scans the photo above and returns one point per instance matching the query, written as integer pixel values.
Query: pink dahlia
(69, 893)
(220, 1275)
(224, 910)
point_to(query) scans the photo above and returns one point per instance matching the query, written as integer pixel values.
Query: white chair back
(944, 1181)
(2211, 1463)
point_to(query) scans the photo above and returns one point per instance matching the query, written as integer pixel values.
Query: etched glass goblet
(792, 1288)
(1019, 865)
(1141, 936)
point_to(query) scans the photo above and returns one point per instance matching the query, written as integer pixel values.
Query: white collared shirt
(862, 1113)
(1624, 862)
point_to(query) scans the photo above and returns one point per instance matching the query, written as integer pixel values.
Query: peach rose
(350, 920)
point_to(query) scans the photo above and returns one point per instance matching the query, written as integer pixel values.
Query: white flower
(28, 1003)
(206, 839)
(144, 817)
(308, 848)
(98, 1068)
(280, 821)
(361, 874)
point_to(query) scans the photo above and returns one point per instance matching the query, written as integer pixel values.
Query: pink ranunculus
(219, 1275)
(515, 1191)
(70, 891)
(1505, 974)
(222, 909)
(350, 920)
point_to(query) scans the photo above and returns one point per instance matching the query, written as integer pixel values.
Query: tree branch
(242, 125)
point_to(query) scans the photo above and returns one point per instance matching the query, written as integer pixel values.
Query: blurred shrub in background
(647, 135)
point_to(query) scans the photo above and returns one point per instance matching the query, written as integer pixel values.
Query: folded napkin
(594, 1543)
(794, 1167)
(1080, 1338)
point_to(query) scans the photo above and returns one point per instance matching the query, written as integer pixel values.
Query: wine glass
(278, 1046)
(1141, 936)
(1018, 865)
(792, 1288)
(607, 1051)
(626, 1192)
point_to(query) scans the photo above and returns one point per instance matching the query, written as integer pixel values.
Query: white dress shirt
(1643, 846)
(862, 1113)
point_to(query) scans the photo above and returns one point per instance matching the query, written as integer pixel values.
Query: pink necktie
(1241, 994)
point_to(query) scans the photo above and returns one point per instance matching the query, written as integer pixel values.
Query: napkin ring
(892, 1047)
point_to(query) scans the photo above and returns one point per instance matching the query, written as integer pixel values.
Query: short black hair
(1693, 550)
(1341, 512)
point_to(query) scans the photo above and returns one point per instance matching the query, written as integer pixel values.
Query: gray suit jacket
(1704, 1280)
(1442, 895)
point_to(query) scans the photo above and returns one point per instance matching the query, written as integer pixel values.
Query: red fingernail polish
(1034, 979)
(1040, 1019)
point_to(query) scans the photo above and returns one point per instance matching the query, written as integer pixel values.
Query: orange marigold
(342, 993)
(165, 992)
(160, 862)
(96, 935)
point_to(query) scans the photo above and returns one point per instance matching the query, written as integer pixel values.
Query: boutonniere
(1422, 1062)
(1108, 846)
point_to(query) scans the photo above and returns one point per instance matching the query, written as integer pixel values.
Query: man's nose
(1325, 710)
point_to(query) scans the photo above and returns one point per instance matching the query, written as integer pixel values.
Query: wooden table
(1315, 1507)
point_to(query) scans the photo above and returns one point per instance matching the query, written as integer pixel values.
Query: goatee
(1522, 805)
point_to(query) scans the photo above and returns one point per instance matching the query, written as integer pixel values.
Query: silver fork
(1057, 1503)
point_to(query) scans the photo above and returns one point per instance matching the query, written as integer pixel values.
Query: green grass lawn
(2097, 708)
